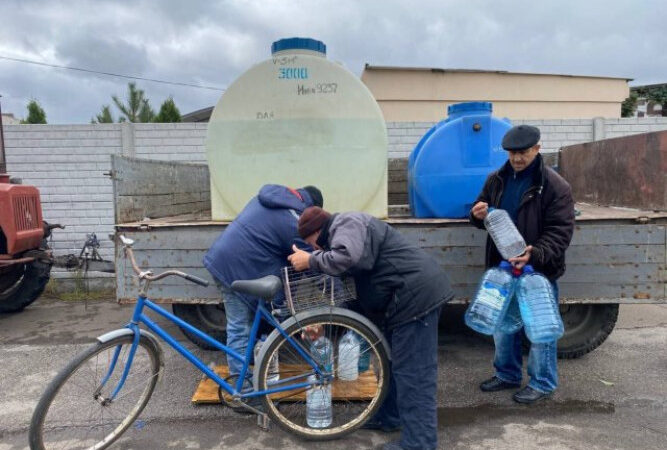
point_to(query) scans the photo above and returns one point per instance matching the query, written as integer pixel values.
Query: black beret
(521, 137)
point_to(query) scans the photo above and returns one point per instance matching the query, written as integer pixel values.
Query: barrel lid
(297, 43)
(469, 107)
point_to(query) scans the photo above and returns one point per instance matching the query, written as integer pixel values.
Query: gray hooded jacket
(396, 281)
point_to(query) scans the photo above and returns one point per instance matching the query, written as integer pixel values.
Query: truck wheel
(22, 284)
(211, 319)
(586, 327)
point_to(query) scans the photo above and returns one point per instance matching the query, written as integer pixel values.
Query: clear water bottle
(319, 413)
(512, 322)
(274, 368)
(322, 352)
(348, 357)
(539, 307)
(502, 230)
(491, 300)
(364, 354)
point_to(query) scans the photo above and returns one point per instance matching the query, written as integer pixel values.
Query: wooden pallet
(363, 388)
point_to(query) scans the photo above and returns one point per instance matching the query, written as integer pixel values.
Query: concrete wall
(67, 162)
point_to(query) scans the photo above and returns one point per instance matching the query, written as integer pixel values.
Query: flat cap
(521, 137)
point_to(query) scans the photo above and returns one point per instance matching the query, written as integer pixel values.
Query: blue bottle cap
(528, 269)
(297, 43)
(505, 265)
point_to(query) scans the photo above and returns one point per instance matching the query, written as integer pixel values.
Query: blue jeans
(542, 360)
(413, 384)
(240, 315)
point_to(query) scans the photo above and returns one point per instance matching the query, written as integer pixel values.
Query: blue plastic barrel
(447, 168)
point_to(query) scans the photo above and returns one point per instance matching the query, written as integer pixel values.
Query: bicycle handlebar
(148, 275)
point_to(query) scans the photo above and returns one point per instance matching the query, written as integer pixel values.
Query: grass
(60, 290)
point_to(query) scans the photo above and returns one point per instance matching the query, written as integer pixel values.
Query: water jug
(491, 300)
(319, 413)
(274, 369)
(512, 322)
(502, 230)
(539, 307)
(348, 357)
(322, 352)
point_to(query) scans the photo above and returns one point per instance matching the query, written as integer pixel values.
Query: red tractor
(25, 259)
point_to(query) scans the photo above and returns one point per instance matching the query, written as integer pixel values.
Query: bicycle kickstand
(263, 421)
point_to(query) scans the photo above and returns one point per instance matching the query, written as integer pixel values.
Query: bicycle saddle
(265, 287)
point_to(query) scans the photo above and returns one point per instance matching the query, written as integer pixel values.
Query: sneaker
(380, 426)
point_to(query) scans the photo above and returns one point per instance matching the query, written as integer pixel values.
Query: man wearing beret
(257, 243)
(540, 203)
(401, 289)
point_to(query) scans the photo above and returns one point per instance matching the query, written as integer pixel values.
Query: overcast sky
(210, 43)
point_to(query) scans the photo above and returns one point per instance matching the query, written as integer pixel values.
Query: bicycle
(109, 384)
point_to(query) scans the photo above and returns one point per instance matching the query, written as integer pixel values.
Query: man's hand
(520, 261)
(480, 210)
(299, 259)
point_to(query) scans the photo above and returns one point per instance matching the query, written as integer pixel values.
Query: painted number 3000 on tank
(293, 73)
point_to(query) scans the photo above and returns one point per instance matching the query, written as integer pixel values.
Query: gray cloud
(212, 43)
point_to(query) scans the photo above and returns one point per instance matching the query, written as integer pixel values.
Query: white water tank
(298, 119)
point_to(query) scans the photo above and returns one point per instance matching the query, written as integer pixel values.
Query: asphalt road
(613, 398)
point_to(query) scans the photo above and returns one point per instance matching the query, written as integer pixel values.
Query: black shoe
(393, 445)
(494, 384)
(380, 426)
(528, 395)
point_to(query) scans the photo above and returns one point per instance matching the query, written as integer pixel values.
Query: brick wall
(67, 162)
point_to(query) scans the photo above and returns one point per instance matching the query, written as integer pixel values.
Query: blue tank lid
(297, 43)
(469, 107)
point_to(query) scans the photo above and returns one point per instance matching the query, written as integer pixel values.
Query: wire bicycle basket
(306, 290)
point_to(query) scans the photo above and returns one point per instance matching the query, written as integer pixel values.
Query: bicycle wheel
(358, 385)
(72, 413)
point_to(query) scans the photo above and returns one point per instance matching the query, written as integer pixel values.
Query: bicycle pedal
(264, 422)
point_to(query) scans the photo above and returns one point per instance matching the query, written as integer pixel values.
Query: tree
(655, 94)
(137, 106)
(103, 117)
(629, 105)
(168, 112)
(35, 113)
(146, 113)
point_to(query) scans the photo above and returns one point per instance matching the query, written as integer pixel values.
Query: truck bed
(618, 255)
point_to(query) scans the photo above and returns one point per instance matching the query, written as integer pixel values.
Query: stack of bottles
(354, 353)
(508, 299)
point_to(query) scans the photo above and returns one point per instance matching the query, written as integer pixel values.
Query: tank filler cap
(297, 43)
(470, 107)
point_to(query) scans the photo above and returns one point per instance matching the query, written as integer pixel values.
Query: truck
(617, 256)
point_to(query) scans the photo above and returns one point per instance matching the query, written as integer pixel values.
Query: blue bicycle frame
(139, 317)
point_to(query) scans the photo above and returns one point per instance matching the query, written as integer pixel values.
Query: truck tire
(586, 328)
(22, 284)
(211, 319)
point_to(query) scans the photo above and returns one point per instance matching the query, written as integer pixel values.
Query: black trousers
(411, 401)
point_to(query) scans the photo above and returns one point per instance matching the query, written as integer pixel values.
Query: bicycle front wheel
(353, 387)
(76, 410)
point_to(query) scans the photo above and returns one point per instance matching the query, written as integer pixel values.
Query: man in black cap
(540, 203)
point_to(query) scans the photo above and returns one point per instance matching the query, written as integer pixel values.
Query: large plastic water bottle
(322, 352)
(512, 322)
(274, 368)
(491, 300)
(348, 357)
(502, 230)
(318, 405)
(539, 307)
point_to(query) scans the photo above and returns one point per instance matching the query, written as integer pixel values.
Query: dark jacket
(545, 217)
(259, 240)
(396, 281)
